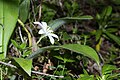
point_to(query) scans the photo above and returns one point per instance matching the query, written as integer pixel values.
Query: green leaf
(8, 18)
(25, 64)
(66, 36)
(65, 59)
(22, 46)
(113, 37)
(107, 12)
(59, 57)
(41, 50)
(98, 34)
(24, 10)
(81, 49)
(75, 6)
(98, 17)
(111, 30)
(108, 69)
(86, 77)
(26, 53)
(15, 43)
(67, 5)
(55, 24)
(84, 50)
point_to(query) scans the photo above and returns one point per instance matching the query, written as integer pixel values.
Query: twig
(33, 10)
(29, 35)
(35, 72)
(20, 35)
(40, 11)
(8, 64)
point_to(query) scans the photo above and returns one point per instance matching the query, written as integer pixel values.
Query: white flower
(46, 31)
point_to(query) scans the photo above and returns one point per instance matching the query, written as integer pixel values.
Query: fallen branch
(8, 64)
(35, 72)
(40, 73)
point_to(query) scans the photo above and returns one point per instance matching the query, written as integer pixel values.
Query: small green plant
(72, 8)
(60, 49)
(23, 51)
(108, 73)
(105, 28)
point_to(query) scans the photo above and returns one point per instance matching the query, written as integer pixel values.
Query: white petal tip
(36, 22)
(58, 39)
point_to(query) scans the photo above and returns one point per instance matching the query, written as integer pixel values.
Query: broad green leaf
(55, 24)
(1, 30)
(41, 50)
(25, 64)
(1, 41)
(81, 49)
(24, 10)
(8, 18)
(113, 37)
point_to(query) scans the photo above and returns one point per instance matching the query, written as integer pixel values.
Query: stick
(35, 72)
(8, 64)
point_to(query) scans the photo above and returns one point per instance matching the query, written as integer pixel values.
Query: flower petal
(39, 24)
(49, 30)
(46, 31)
(41, 31)
(44, 25)
(54, 35)
(51, 39)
